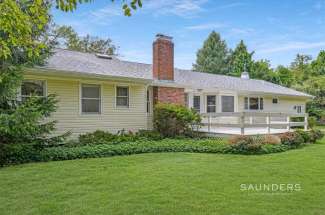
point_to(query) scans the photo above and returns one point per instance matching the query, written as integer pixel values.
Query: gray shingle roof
(72, 61)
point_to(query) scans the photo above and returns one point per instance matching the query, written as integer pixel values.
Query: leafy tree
(318, 65)
(23, 25)
(66, 37)
(71, 5)
(240, 60)
(261, 70)
(301, 67)
(315, 86)
(22, 40)
(285, 76)
(213, 56)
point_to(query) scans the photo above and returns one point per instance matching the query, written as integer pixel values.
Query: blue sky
(276, 30)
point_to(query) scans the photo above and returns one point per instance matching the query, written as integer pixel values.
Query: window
(275, 101)
(196, 103)
(122, 96)
(227, 104)
(298, 108)
(148, 101)
(254, 103)
(186, 99)
(211, 104)
(32, 88)
(261, 104)
(90, 98)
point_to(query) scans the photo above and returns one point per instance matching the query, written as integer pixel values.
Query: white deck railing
(244, 120)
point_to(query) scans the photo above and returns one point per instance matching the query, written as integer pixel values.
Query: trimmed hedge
(207, 145)
(22, 153)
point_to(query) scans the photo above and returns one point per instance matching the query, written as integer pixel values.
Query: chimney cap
(164, 37)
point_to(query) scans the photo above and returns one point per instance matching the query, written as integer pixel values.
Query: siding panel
(111, 119)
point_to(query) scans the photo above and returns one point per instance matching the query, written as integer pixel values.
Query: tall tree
(301, 67)
(66, 37)
(318, 65)
(285, 76)
(262, 70)
(241, 60)
(213, 56)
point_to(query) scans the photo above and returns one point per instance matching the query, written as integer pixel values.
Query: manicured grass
(167, 183)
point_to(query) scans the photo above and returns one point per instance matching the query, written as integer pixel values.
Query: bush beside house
(172, 120)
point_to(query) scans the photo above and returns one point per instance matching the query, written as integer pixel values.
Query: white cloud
(291, 46)
(206, 26)
(104, 15)
(232, 5)
(182, 8)
(241, 31)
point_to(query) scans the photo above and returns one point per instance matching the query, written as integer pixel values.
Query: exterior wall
(285, 104)
(169, 95)
(111, 119)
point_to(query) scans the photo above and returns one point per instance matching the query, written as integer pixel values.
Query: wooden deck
(251, 123)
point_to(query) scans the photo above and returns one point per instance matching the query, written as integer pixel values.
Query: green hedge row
(25, 153)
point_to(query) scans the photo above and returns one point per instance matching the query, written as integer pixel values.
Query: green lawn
(167, 183)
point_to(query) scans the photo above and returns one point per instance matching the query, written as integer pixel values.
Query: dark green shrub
(104, 137)
(312, 121)
(172, 120)
(292, 139)
(19, 153)
(149, 135)
(315, 135)
(306, 135)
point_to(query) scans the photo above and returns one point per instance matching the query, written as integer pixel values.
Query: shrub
(312, 121)
(19, 153)
(122, 136)
(245, 144)
(291, 139)
(149, 135)
(306, 135)
(172, 120)
(271, 139)
(97, 137)
(316, 135)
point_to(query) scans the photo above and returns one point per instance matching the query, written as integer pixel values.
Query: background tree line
(304, 73)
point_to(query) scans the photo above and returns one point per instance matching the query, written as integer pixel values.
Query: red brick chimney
(163, 70)
(163, 58)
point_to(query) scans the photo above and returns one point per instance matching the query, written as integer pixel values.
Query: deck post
(242, 123)
(268, 122)
(209, 123)
(288, 123)
(306, 122)
(251, 120)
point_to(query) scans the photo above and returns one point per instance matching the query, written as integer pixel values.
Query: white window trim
(101, 99)
(206, 103)
(148, 89)
(115, 96)
(19, 95)
(259, 103)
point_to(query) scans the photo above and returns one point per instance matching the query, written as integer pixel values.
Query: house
(103, 92)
